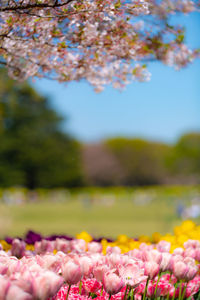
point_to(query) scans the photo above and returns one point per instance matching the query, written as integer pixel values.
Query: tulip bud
(151, 269)
(71, 272)
(112, 283)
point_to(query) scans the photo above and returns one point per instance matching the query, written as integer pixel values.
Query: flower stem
(170, 279)
(132, 294)
(159, 275)
(102, 290)
(80, 287)
(174, 291)
(180, 290)
(125, 292)
(184, 290)
(110, 296)
(68, 291)
(145, 291)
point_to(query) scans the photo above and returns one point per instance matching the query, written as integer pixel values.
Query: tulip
(94, 247)
(112, 283)
(151, 269)
(180, 270)
(99, 271)
(46, 284)
(4, 286)
(132, 275)
(165, 262)
(86, 265)
(152, 255)
(163, 246)
(18, 248)
(15, 292)
(62, 245)
(71, 272)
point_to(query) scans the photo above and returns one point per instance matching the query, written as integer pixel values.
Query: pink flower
(112, 282)
(15, 292)
(99, 271)
(151, 269)
(71, 272)
(162, 289)
(3, 268)
(180, 270)
(86, 265)
(152, 255)
(132, 275)
(44, 246)
(46, 285)
(62, 245)
(4, 286)
(165, 262)
(18, 248)
(163, 246)
(178, 251)
(135, 253)
(90, 286)
(78, 245)
(115, 250)
(94, 247)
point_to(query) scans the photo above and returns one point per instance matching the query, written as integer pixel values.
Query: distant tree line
(130, 162)
(35, 152)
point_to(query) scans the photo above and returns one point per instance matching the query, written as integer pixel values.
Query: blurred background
(110, 163)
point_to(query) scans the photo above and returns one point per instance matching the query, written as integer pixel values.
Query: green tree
(185, 158)
(34, 152)
(142, 162)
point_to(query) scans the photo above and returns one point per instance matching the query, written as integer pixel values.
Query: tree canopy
(102, 41)
(34, 152)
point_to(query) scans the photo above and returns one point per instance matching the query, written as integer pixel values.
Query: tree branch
(35, 5)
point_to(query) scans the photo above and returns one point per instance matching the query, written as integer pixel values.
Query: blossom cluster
(61, 268)
(101, 41)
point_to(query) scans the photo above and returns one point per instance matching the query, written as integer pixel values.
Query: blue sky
(161, 110)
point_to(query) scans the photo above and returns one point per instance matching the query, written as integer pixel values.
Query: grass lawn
(114, 211)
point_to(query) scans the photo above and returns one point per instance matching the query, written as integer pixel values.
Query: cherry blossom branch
(17, 7)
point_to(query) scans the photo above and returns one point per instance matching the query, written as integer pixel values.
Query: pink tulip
(132, 275)
(151, 269)
(62, 245)
(161, 290)
(4, 286)
(71, 272)
(197, 254)
(99, 271)
(86, 265)
(152, 255)
(112, 282)
(51, 262)
(94, 247)
(178, 251)
(90, 286)
(135, 253)
(78, 245)
(15, 292)
(3, 268)
(191, 273)
(165, 262)
(180, 269)
(46, 284)
(163, 246)
(191, 244)
(115, 250)
(14, 265)
(44, 246)
(18, 248)
(190, 252)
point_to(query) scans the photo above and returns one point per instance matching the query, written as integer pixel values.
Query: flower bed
(60, 267)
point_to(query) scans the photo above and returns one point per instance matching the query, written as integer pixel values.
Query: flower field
(61, 267)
